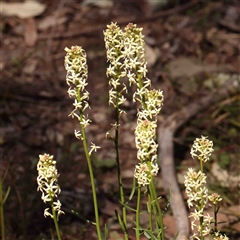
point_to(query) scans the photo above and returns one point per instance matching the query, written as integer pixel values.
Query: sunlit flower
(215, 198)
(77, 73)
(147, 151)
(93, 148)
(202, 149)
(48, 182)
(143, 173)
(78, 134)
(135, 63)
(113, 37)
(219, 236)
(196, 190)
(153, 102)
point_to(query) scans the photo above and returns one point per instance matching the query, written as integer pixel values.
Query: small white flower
(142, 174)
(219, 236)
(78, 134)
(84, 121)
(47, 213)
(215, 198)
(93, 148)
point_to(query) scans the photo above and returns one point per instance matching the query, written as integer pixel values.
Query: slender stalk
(121, 191)
(95, 202)
(116, 143)
(77, 72)
(156, 204)
(150, 212)
(215, 218)
(201, 207)
(138, 213)
(55, 221)
(201, 227)
(201, 165)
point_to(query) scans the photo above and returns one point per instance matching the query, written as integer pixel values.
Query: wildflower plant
(113, 37)
(198, 196)
(126, 57)
(77, 73)
(127, 67)
(150, 101)
(48, 184)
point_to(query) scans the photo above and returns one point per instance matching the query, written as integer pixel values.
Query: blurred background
(192, 49)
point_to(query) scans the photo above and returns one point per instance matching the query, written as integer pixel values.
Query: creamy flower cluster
(126, 57)
(151, 101)
(48, 183)
(202, 149)
(196, 188)
(113, 37)
(134, 51)
(145, 134)
(219, 236)
(197, 191)
(215, 198)
(77, 74)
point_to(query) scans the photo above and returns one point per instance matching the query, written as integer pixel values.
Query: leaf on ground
(186, 67)
(23, 10)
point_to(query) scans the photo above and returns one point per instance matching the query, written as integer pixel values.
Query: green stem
(95, 202)
(215, 218)
(201, 207)
(154, 200)
(90, 169)
(201, 165)
(120, 184)
(116, 143)
(138, 213)
(159, 215)
(150, 212)
(55, 221)
(201, 227)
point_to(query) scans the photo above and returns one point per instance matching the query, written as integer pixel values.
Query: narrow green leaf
(133, 189)
(121, 221)
(6, 195)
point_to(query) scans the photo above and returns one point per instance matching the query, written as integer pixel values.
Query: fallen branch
(165, 140)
